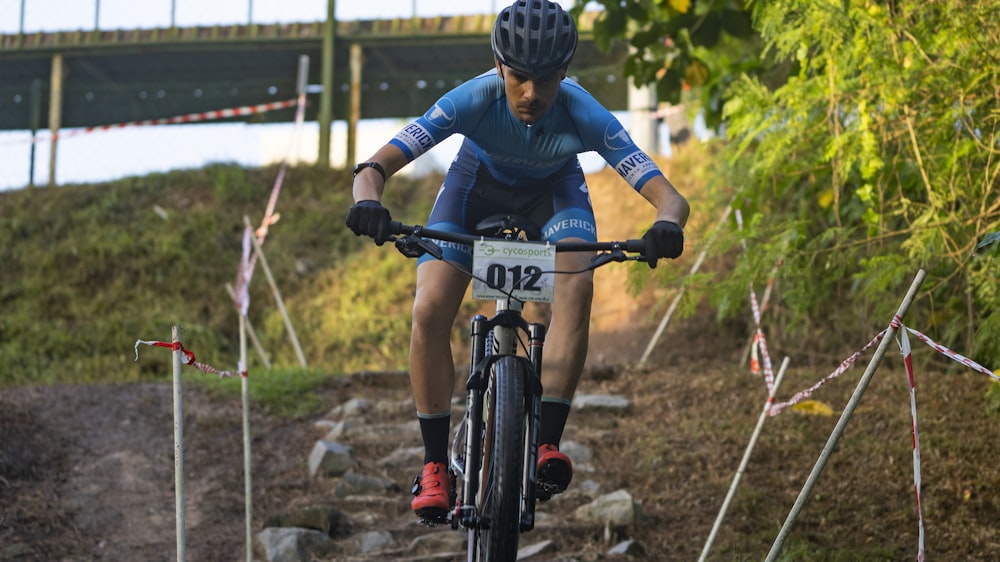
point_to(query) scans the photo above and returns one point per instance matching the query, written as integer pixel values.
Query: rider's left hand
(370, 218)
(664, 240)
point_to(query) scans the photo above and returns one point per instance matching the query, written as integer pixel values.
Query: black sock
(554, 414)
(434, 431)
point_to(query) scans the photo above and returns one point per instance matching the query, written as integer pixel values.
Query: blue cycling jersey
(513, 151)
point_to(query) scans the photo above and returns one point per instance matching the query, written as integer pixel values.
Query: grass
(280, 392)
(89, 269)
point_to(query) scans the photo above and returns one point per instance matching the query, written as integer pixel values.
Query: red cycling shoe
(554, 472)
(435, 493)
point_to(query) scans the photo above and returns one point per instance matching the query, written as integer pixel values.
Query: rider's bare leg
(439, 292)
(569, 330)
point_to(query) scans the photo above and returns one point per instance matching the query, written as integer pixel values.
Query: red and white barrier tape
(177, 119)
(904, 346)
(896, 323)
(249, 261)
(759, 341)
(764, 301)
(846, 364)
(739, 226)
(755, 354)
(957, 357)
(177, 346)
(269, 214)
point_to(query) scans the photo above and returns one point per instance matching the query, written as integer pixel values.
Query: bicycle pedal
(545, 491)
(434, 521)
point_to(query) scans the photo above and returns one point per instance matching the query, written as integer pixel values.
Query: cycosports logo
(443, 115)
(616, 137)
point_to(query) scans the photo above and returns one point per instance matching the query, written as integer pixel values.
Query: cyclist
(524, 125)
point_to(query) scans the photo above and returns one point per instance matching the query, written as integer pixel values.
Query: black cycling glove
(370, 218)
(664, 240)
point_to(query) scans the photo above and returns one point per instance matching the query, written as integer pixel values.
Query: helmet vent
(534, 36)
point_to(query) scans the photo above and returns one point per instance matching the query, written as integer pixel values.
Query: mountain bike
(495, 449)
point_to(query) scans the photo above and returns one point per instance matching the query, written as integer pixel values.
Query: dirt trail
(89, 472)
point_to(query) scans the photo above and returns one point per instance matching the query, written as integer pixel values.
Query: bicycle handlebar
(636, 246)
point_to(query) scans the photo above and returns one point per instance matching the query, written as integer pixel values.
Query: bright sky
(51, 15)
(140, 150)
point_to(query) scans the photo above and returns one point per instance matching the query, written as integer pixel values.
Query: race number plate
(523, 269)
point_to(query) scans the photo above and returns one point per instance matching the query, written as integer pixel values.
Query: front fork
(533, 403)
(475, 388)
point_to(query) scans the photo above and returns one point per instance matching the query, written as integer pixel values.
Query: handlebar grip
(635, 245)
(396, 227)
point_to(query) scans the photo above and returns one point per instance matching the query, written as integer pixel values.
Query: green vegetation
(805, 551)
(701, 44)
(863, 150)
(89, 269)
(282, 392)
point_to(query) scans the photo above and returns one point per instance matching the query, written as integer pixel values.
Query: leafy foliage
(863, 142)
(878, 157)
(677, 44)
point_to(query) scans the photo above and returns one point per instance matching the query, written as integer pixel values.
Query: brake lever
(413, 246)
(607, 257)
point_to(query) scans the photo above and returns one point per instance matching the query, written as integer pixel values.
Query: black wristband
(377, 167)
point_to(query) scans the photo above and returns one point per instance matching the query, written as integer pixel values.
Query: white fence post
(178, 357)
(743, 463)
(845, 417)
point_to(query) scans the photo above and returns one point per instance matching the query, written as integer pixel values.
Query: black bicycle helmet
(534, 36)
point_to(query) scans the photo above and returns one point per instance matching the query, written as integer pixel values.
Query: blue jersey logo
(616, 137)
(443, 115)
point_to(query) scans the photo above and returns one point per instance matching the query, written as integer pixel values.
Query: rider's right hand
(664, 240)
(370, 218)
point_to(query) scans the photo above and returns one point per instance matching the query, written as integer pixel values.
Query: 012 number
(522, 278)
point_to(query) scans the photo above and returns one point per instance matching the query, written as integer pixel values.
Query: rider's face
(530, 96)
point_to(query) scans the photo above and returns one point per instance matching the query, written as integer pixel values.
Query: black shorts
(559, 204)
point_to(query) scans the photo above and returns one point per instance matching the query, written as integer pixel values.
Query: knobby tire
(504, 435)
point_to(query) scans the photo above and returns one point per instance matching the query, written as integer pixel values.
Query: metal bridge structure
(357, 70)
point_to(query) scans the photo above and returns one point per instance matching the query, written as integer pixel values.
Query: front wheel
(499, 503)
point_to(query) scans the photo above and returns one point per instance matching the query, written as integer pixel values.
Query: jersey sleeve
(630, 161)
(602, 132)
(455, 112)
